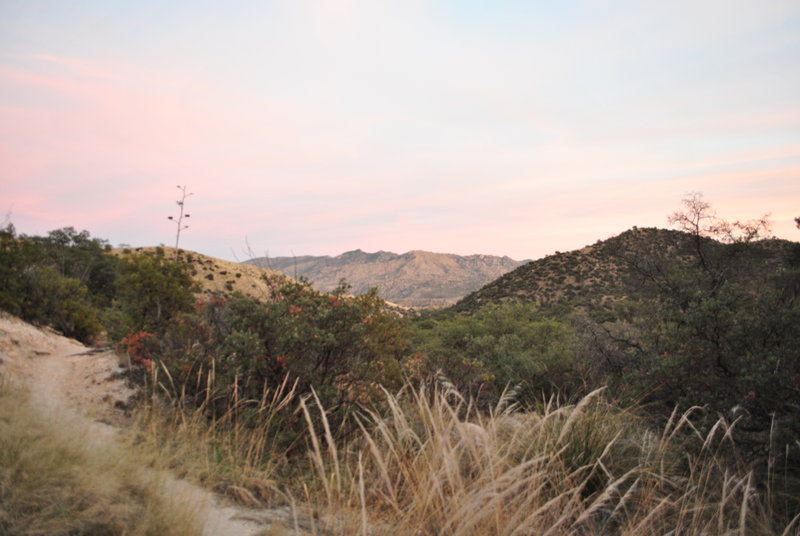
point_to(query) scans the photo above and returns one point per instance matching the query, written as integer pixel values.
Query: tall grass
(241, 453)
(429, 463)
(54, 482)
(434, 466)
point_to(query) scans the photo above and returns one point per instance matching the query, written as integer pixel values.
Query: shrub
(510, 344)
(150, 292)
(231, 349)
(61, 302)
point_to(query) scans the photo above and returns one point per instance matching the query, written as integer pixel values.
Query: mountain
(413, 279)
(609, 271)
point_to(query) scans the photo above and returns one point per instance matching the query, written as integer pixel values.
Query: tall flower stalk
(181, 216)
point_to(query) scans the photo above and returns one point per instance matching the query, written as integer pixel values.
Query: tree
(80, 256)
(44, 280)
(707, 231)
(722, 330)
(16, 255)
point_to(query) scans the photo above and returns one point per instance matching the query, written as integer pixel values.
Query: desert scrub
(53, 483)
(232, 348)
(241, 453)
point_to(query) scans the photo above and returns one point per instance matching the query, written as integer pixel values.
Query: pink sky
(309, 128)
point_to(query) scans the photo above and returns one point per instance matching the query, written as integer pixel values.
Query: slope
(609, 271)
(221, 276)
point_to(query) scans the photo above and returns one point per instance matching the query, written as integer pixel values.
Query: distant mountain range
(413, 279)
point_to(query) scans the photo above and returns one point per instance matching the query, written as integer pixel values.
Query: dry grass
(55, 482)
(240, 454)
(430, 464)
(571, 470)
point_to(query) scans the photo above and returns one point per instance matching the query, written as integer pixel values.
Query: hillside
(217, 275)
(608, 271)
(413, 279)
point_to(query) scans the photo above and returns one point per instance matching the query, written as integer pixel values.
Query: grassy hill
(217, 275)
(597, 276)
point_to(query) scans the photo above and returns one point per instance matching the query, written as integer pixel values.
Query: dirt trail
(68, 380)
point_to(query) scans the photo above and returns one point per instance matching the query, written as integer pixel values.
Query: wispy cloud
(315, 126)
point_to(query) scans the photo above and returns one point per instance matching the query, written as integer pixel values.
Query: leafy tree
(79, 256)
(33, 287)
(722, 331)
(16, 256)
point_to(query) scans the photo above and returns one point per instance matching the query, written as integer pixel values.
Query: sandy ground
(67, 379)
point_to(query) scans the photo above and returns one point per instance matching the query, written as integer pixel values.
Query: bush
(150, 292)
(511, 344)
(229, 350)
(61, 302)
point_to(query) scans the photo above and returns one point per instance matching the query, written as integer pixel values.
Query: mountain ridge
(416, 278)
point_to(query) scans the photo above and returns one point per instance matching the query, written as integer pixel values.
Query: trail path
(68, 380)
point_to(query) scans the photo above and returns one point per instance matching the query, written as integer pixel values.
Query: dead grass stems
(429, 463)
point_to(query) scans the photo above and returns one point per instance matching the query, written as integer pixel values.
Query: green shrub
(230, 349)
(61, 302)
(150, 292)
(511, 344)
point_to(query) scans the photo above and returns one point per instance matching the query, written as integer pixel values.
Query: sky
(315, 127)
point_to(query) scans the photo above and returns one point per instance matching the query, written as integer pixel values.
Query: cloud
(320, 126)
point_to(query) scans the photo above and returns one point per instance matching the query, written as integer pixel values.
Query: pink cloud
(103, 147)
(160, 127)
(89, 127)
